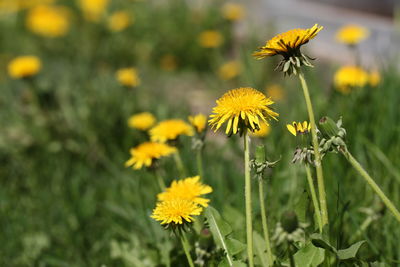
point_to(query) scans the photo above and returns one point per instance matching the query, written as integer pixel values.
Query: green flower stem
(247, 194)
(264, 221)
(186, 248)
(290, 252)
(318, 165)
(160, 180)
(199, 161)
(179, 164)
(371, 183)
(314, 197)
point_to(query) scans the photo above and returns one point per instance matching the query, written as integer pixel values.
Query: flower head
(119, 21)
(142, 121)
(176, 211)
(189, 189)
(145, 154)
(297, 128)
(349, 77)
(48, 21)
(93, 10)
(24, 66)
(352, 34)
(199, 122)
(263, 132)
(170, 130)
(276, 92)
(229, 70)
(242, 108)
(128, 77)
(233, 11)
(211, 39)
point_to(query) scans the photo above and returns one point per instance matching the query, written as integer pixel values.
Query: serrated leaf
(320, 242)
(351, 252)
(309, 256)
(260, 249)
(234, 246)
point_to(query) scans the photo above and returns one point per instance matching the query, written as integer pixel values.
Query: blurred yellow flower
(168, 62)
(119, 21)
(189, 189)
(17, 5)
(276, 92)
(348, 77)
(48, 21)
(93, 10)
(176, 211)
(170, 130)
(263, 132)
(242, 108)
(142, 121)
(199, 122)
(297, 128)
(128, 77)
(145, 154)
(233, 11)
(352, 34)
(211, 39)
(229, 70)
(374, 78)
(24, 66)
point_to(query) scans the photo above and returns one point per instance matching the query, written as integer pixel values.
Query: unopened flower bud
(260, 154)
(289, 221)
(328, 127)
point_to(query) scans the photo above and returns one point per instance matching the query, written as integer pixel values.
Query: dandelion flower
(176, 211)
(145, 154)
(189, 189)
(276, 92)
(48, 21)
(374, 78)
(93, 10)
(349, 77)
(142, 121)
(17, 5)
(211, 39)
(242, 108)
(24, 66)
(119, 21)
(169, 130)
(199, 122)
(297, 128)
(263, 132)
(128, 77)
(229, 70)
(352, 34)
(233, 11)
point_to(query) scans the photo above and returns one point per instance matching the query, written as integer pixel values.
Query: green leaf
(260, 249)
(351, 252)
(234, 246)
(320, 242)
(309, 256)
(225, 263)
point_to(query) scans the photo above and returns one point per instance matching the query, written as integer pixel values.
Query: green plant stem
(318, 165)
(264, 221)
(186, 248)
(199, 160)
(160, 180)
(290, 252)
(314, 197)
(179, 164)
(247, 194)
(371, 183)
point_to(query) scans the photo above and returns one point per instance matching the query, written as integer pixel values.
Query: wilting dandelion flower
(176, 211)
(263, 132)
(119, 21)
(199, 122)
(169, 130)
(189, 189)
(297, 128)
(275, 91)
(93, 10)
(24, 67)
(145, 154)
(128, 77)
(48, 21)
(211, 39)
(352, 34)
(142, 121)
(349, 77)
(242, 108)
(233, 11)
(374, 78)
(229, 70)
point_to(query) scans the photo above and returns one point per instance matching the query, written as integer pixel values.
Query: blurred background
(74, 72)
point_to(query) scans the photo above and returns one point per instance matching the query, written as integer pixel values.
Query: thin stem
(199, 160)
(291, 258)
(318, 165)
(186, 248)
(371, 183)
(160, 180)
(314, 197)
(179, 164)
(247, 194)
(264, 221)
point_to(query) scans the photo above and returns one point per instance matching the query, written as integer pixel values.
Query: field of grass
(66, 198)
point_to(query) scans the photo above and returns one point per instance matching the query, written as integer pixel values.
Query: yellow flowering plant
(48, 21)
(24, 67)
(128, 77)
(142, 121)
(352, 34)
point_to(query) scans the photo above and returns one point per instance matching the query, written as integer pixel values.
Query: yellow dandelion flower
(297, 128)
(168, 62)
(17, 5)
(48, 21)
(233, 11)
(263, 132)
(24, 66)
(352, 34)
(229, 70)
(242, 108)
(349, 77)
(374, 78)
(145, 154)
(177, 211)
(142, 121)
(119, 21)
(199, 122)
(93, 10)
(276, 92)
(189, 189)
(128, 77)
(210, 39)
(170, 130)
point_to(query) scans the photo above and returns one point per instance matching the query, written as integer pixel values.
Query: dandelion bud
(260, 154)
(328, 127)
(289, 221)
